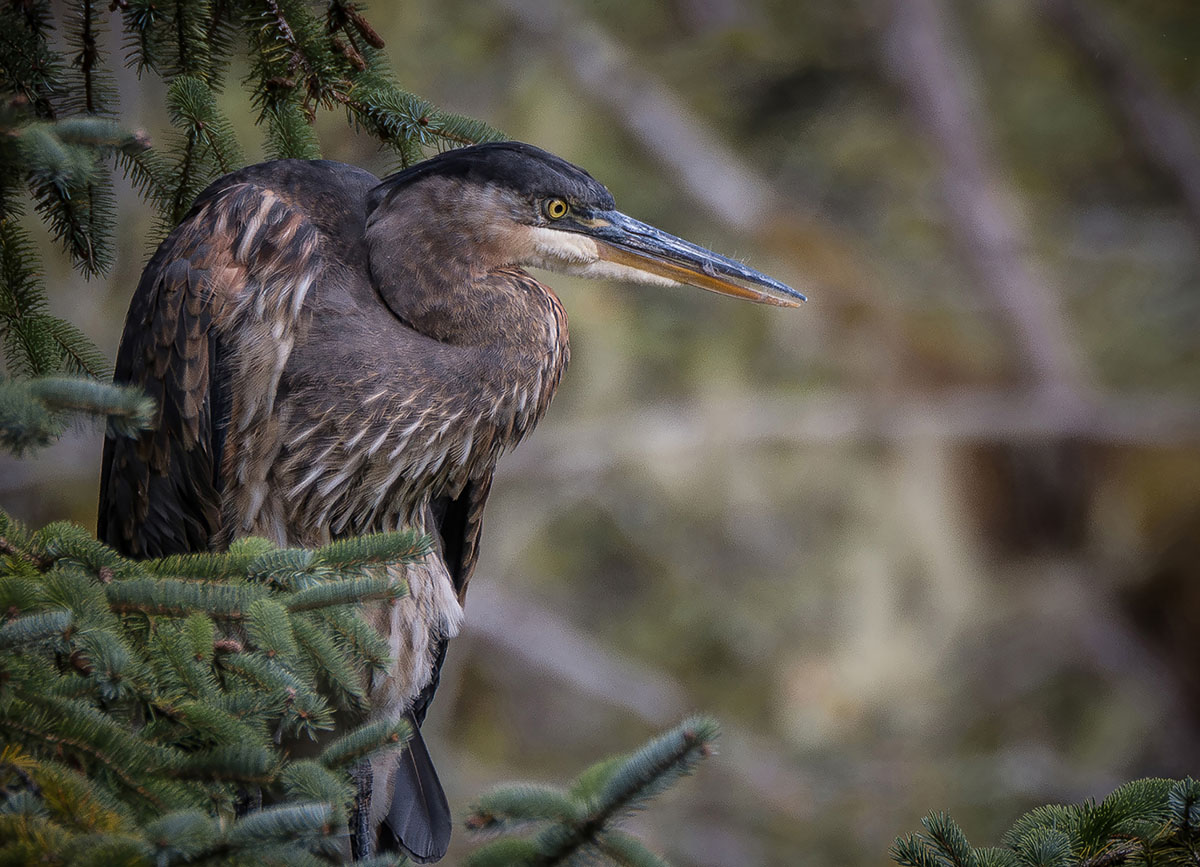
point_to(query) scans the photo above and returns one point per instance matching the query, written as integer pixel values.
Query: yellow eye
(556, 209)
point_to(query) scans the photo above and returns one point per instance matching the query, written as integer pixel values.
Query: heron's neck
(451, 278)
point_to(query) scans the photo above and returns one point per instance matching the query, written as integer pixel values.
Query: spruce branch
(355, 636)
(246, 763)
(63, 164)
(293, 568)
(626, 851)
(362, 742)
(273, 826)
(201, 722)
(270, 629)
(346, 592)
(25, 423)
(240, 561)
(1184, 803)
(89, 86)
(376, 549)
(21, 293)
(126, 410)
(34, 412)
(311, 781)
(580, 824)
(1150, 821)
(143, 33)
(188, 37)
(656, 766)
(32, 629)
(102, 135)
(168, 598)
(280, 692)
(210, 146)
(62, 181)
(64, 543)
(151, 175)
(289, 132)
(31, 68)
(332, 663)
(68, 795)
(181, 836)
(509, 852)
(293, 58)
(102, 745)
(507, 807)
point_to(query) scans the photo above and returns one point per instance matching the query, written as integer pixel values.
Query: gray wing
(244, 245)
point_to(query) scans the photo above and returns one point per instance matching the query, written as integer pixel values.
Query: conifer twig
(581, 823)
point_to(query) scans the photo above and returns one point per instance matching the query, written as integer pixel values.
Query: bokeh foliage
(1143, 823)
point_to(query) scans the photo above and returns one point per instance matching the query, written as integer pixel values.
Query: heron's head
(532, 208)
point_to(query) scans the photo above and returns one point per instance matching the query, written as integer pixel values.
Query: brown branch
(11, 550)
(926, 56)
(1113, 856)
(546, 642)
(567, 653)
(710, 172)
(1160, 126)
(836, 419)
(298, 59)
(457, 139)
(281, 23)
(114, 768)
(88, 56)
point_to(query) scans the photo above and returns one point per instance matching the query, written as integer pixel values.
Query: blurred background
(930, 542)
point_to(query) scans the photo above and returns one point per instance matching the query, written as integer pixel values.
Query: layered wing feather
(217, 303)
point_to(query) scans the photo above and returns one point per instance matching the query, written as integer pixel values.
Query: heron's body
(335, 355)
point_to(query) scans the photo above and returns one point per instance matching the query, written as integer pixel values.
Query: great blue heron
(334, 354)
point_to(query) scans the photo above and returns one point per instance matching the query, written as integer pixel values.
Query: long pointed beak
(635, 244)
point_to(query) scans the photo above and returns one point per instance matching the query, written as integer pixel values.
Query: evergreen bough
(580, 824)
(1146, 823)
(145, 704)
(150, 709)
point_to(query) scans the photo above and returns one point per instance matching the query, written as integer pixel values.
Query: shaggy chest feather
(373, 454)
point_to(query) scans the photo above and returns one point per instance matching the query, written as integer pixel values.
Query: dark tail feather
(418, 821)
